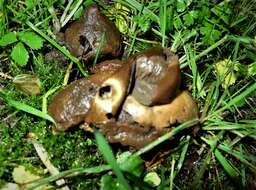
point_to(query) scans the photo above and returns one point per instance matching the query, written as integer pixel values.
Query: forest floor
(216, 44)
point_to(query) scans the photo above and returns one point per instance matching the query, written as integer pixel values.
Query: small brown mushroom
(70, 105)
(157, 76)
(83, 37)
(181, 109)
(110, 96)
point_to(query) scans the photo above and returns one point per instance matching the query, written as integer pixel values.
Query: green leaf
(210, 34)
(8, 38)
(143, 22)
(31, 39)
(119, 13)
(30, 3)
(132, 164)
(180, 6)
(205, 12)
(153, 179)
(107, 182)
(223, 12)
(20, 54)
(109, 157)
(121, 24)
(177, 22)
(188, 19)
(194, 14)
(225, 71)
(252, 69)
(28, 84)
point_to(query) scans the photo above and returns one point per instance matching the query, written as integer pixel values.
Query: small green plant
(20, 42)
(118, 14)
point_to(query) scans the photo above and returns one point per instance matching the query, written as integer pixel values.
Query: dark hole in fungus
(85, 43)
(165, 56)
(83, 40)
(109, 115)
(104, 91)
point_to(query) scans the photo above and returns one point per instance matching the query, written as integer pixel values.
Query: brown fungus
(132, 103)
(157, 76)
(181, 109)
(109, 97)
(70, 105)
(83, 37)
(135, 135)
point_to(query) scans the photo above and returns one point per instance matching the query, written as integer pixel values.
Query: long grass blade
(225, 164)
(167, 136)
(163, 5)
(26, 108)
(76, 171)
(102, 42)
(56, 45)
(137, 5)
(109, 157)
(238, 98)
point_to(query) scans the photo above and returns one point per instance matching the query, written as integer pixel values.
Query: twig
(5, 76)
(68, 173)
(48, 93)
(43, 155)
(66, 11)
(71, 13)
(66, 77)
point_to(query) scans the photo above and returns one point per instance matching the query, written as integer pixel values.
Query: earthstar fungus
(83, 37)
(132, 102)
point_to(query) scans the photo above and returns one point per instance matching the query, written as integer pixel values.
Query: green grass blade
(226, 165)
(26, 108)
(242, 166)
(109, 157)
(76, 171)
(167, 136)
(76, 6)
(172, 176)
(163, 5)
(247, 160)
(222, 160)
(102, 42)
(212, 47)
(208, 100)
(197, 81)
(238, 98)
(56, 45)
(182, 156)
(198, 178)
(137, 5)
